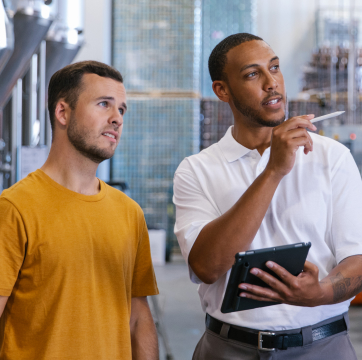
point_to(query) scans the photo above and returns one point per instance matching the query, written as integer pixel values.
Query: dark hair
(218, 59)
(67, 83)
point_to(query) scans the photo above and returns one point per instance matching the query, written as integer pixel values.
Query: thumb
(308, 266)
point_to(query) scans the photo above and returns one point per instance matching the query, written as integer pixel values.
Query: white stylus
(324, 117)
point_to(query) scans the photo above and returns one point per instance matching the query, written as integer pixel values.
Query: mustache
(114, 128)
(274, 93)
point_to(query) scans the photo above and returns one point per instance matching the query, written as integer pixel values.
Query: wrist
(273, 175)
(326, 296)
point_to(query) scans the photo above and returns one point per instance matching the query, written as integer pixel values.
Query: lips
(112, 135)
(273, 101)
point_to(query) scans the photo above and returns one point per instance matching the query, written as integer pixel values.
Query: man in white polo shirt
(270, 182)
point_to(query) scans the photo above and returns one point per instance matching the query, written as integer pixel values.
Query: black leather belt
(269, 341)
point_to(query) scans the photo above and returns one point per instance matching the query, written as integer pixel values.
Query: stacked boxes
(333, 79)
(326, 86)
(216, 117)
(329, 69)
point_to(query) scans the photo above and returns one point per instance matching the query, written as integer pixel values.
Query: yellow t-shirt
(71, 264)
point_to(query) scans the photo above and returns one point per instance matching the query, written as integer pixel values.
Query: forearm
(143, 331)
(144, 341)
(344, 281)
(213, 251)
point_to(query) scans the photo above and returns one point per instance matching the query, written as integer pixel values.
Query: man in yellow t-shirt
(75, 264)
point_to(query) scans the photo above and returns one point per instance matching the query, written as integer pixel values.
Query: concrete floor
(183, 318)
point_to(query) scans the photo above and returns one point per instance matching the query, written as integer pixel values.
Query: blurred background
(161, 47)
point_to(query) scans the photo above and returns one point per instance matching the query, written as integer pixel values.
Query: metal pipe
(33, 101)
(18, 119)
(333, 77)
(31, 23)
(14, 132)
(352, 66)
(42, 92)
(65, 37)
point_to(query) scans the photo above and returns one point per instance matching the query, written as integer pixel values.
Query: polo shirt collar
(230, 148)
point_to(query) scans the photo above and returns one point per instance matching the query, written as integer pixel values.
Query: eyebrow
(257, 65)
(111, 98)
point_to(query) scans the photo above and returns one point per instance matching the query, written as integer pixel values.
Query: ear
(62, 113)
(220, 90)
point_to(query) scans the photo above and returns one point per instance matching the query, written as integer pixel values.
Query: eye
(121, 111)
(103, 103)
(275, 67)
(251, 74)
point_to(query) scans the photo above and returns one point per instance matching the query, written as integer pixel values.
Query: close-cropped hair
(218, 59)
(67, 83)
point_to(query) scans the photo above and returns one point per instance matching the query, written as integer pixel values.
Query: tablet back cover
(291, 257)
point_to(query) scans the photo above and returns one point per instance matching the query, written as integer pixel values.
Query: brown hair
(67, 84)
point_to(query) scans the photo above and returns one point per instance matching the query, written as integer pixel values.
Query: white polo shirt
(319, 201)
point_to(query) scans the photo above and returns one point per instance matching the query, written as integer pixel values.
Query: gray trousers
(336, 347)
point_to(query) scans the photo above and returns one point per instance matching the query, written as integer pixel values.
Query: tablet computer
(291, 257)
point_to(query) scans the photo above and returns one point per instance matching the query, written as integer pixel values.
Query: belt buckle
(260, 340)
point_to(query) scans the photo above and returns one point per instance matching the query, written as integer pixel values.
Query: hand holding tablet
(291, 257)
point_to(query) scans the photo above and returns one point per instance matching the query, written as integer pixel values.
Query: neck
(251, 135)
(71, 169)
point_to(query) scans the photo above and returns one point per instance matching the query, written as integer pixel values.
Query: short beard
(80, 139)
(253, 115)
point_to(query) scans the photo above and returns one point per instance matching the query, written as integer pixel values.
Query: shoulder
(24, 190)
(205, 158)
(331, 151)
(328, 144)
(120, 199)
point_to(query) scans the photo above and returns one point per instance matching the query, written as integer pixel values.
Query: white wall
(288, 26)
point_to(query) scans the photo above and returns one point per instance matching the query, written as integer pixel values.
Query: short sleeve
(144, 279)
(347, 208)
(194, 210)
(13, 241)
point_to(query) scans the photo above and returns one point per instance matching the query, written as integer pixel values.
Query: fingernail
(243, 295)
(254, 271)
(269, 264)
(310, 115)
(243, 287)
(314, 128)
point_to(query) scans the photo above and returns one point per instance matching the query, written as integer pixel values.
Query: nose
(270, 83)
(116, 118)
